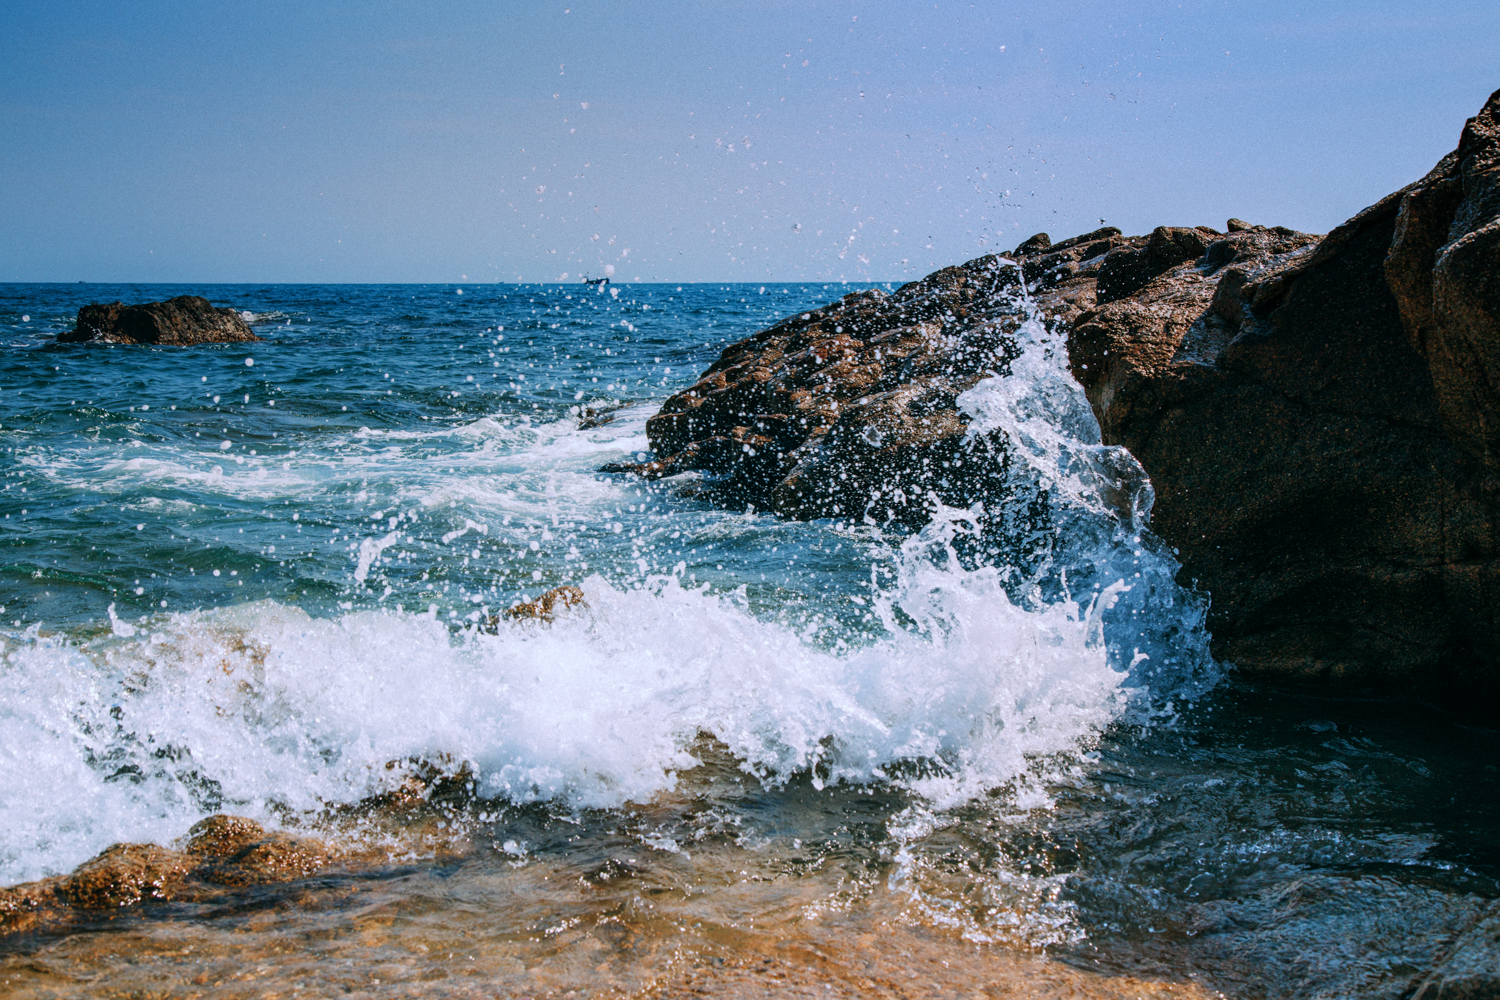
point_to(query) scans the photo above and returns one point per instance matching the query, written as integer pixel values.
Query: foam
(963, 683)
(262, 709)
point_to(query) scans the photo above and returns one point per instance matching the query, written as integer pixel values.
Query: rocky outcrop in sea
(180, 322)
(218, 852)
(1319, 416)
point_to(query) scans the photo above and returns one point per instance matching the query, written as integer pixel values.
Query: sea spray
(1085, 507)
(956, 670)
(264, 710)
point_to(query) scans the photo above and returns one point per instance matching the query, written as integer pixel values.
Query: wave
(262, 319)
(262, 709)
(969, 673)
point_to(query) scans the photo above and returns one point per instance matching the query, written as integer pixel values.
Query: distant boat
(595, 281)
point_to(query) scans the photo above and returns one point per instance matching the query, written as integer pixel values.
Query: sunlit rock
(1317, 415)
(1318, 419)
(183, 321)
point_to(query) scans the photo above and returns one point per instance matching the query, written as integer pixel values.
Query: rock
(221, 851)
(1319, 416)
(1317, 420)
(1126, 270)
(1442, 270)
(1471, 968)
(125, 875)
(122, 875)
(590, 417)
(183, 321)
(548, 606)
(274, 857)
(235, 851)
(222, 836)
(851, 410)
(26, 907)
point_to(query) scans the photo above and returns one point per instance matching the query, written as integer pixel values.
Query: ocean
(271, 579)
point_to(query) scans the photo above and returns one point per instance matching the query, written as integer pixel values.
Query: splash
(264, 710)
(1093, 536)
(956, 669)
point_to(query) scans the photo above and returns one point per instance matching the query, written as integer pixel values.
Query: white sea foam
(255, 318)
(495, 460)
(262, 707)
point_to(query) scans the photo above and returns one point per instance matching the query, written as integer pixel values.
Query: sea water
(269, 579)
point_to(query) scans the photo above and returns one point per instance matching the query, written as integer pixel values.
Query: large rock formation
(183, 321)
(1321, 427)
(1320, 417)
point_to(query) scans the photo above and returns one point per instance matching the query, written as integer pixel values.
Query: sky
(695, 140)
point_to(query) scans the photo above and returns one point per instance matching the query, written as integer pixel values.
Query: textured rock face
(1319, 423)
(183, 321)
(220, 851)
(851, 410)
(1470, 970)
(1319, 417)
(1442, 270)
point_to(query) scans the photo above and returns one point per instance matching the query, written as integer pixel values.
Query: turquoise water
(152, 468)
(251, 578)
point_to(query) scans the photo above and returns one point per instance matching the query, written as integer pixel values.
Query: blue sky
(698, 141)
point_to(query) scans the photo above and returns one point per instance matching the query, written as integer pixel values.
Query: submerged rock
(222, 855)
(183, 321)
(220, 851)
(1319, 416)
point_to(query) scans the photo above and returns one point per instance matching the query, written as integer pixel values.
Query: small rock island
(184, 321)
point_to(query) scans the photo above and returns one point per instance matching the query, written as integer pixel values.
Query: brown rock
(1309, 411)
(221, 851)
(851, 410)
(26, 907)
(222, 836)
(122, 875)
(125, 875)
(1319, 416)
(544, 609)
(183, 321)
(275, 857)
(1126, 270)
(548, 606)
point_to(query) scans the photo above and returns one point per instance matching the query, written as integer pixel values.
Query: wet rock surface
(852, 410)
(221, 858)
(1470, 969)
(183, 321)
(1317, 416)
(219, 851)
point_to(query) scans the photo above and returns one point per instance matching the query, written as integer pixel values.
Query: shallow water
(255, 588)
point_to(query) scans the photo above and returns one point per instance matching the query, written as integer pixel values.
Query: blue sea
(270, 580)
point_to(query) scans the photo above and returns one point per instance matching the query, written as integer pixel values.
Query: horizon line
(485, 284)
